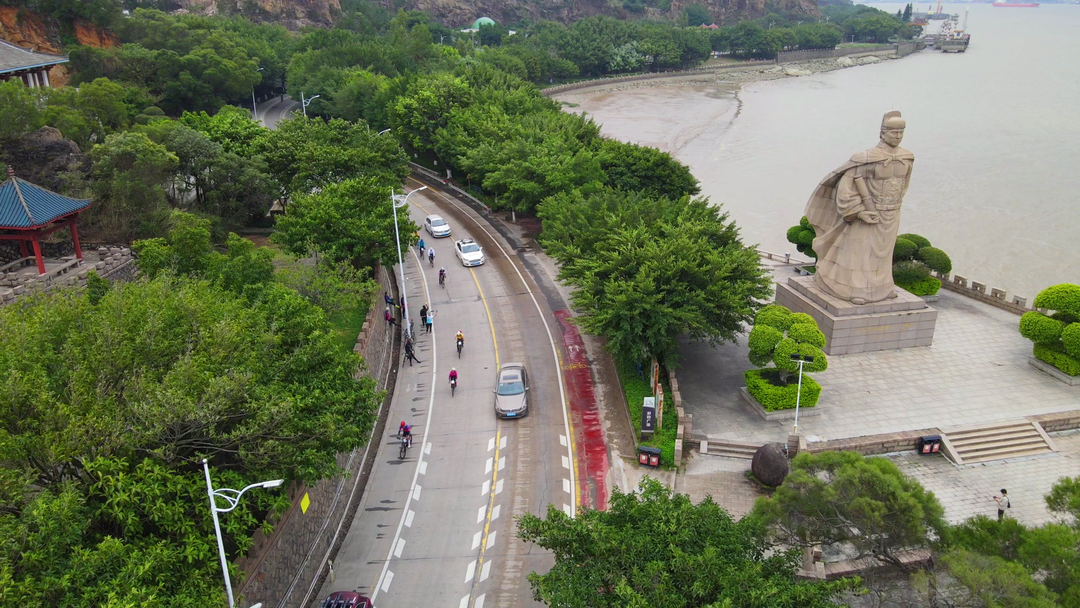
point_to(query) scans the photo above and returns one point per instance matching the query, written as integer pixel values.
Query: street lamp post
(233, 498)
(383, 131)
(801, 359)
(307, 102)
(254, 108)
(398, 201)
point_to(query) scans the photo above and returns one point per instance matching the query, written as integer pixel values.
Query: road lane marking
(471, 571)
(416, 493)
(487, 467)
(565, 462)
(502, 442)
(562, 440)
(386, 576)
(480, 601)
(491, 444)
(551, 340)
(566, 485)
(484, 489)
(385, 586)
(464, 602)
(498, 487)
(491, 543)
(502, 463)
(568, 510)
(485, 571)
(423, 468)
(409, 517)
(480, 515)
(495, 514)
(400, 547)
(476, 539)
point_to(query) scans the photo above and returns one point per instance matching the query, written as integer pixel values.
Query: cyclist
(453, 379)
(431, 256)
(421, 246)
(401, 428)
(442, 275)
(460, 337)
(406, 433)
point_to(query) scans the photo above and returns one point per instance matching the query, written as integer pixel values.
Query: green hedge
(926, 287)
(1040, 329)
(910, 272)
(1063, 298)
(936, 259)
(1062, 361)
(765, 386)
(920, 241)
(636, 390)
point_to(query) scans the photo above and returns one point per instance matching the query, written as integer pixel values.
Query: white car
(469, 252)
(436, 226)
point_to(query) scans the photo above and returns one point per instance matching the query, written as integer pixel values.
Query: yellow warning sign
(305, 502)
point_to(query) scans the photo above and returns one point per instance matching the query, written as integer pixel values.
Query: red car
(346, 599)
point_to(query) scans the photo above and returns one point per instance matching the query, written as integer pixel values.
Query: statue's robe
(854, 257)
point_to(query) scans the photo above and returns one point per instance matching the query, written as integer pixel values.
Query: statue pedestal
(901, 322)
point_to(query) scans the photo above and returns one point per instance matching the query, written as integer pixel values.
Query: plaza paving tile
(976, 372)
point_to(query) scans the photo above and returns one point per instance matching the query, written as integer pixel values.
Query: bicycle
(460, 345)
(442, 278)
(453, 386)
(431, 257)
(404, 448)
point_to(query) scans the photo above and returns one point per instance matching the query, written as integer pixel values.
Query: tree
(19, 112)
(346, 222)
(644, 169)
(1057, 335)
(649, 270)
(305, 154)
(655, 548)
(427, 107)
(984, 581)
(231, 127)
(697, 15)
(129, 171)
(865, 503)
(107, 409)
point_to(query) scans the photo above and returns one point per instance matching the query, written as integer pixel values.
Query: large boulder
(42, 157)
(769, 466)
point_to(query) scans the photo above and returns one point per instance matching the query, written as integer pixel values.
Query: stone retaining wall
(115, 263)
(1058, 421)
(286, 568)
(995, 297)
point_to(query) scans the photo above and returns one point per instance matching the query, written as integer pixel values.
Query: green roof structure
(482, 21)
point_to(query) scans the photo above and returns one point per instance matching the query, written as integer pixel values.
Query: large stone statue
(855, 212)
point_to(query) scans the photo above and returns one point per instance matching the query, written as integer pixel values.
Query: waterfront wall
(287, 568)
(994, 297)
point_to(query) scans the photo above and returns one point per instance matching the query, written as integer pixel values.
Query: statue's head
(892, 128)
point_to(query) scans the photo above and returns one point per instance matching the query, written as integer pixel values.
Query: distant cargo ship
(1017, 4)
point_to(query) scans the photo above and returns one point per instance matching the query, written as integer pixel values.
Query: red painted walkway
(590, 447)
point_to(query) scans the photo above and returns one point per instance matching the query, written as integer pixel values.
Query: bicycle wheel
(402, 450)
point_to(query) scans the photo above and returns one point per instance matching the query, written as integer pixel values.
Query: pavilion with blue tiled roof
(28, 213)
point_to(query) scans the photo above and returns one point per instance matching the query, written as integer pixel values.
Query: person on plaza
(1002, 503)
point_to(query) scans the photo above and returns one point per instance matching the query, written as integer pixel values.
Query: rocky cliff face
(34, 31)
(293, 14)
(461, 13)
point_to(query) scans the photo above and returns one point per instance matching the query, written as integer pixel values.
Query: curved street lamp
(254, 108)
(307, 102)
(397, 201)
(233, 498)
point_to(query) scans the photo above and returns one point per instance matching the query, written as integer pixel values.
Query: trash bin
(649, 457)
(929, 444)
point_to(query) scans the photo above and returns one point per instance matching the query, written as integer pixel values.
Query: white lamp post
(398, 201)
(254, 108)
(233, 498)
(801, 359)
(383, 131)
(307, 102)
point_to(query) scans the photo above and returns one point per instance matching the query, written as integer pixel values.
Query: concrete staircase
(729, 449)
(1016, 439)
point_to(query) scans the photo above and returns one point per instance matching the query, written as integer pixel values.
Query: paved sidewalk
(976, 372)
(722, 478)
(968, 490)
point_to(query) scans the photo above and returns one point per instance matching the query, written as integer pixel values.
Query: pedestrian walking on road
(423, 314)
(1002, 503)
(410, 353)
(428, 320)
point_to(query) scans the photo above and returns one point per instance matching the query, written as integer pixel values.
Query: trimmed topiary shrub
(926, 287)
(773, 394)
(920, 241)
(1056, 336)
(909, 271)
(777, 335)
(903, 250)
(802, 236)
(934, 258)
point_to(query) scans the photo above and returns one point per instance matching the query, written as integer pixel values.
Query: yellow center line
(498, 441)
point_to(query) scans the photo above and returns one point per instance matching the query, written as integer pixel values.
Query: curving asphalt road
(437, 528)
(276, 109)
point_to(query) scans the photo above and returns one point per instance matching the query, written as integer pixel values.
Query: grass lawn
(636, 389)
(346, 324)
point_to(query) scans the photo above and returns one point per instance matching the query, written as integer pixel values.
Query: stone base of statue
(901, 322)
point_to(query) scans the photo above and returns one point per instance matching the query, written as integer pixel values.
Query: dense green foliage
(108, 408)
(802, 236)
(842, 497)
(1056, 335)
(636, 387)
(777, 335)
(648, 270)
(775, 394)
(655, 548)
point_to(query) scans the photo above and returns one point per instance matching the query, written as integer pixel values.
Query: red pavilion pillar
(37, 254)
(75, 237)
(23, 251)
